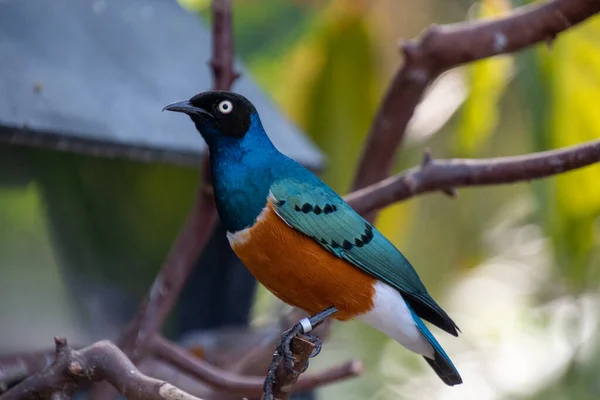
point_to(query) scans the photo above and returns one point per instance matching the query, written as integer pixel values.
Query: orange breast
(299, 271)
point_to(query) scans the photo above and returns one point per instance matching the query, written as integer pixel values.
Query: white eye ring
(225, 107)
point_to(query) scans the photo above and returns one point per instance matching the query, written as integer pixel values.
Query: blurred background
(516, 266)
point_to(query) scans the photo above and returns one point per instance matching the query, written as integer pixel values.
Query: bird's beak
(186, 107)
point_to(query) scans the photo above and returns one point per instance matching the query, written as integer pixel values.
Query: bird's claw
(317, 342)
(268, 385)
(284, 352)
(284, 348)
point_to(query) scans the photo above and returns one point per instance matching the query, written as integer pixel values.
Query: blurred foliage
(487, 81)
(574, 81)
(562, 83)
(107, 236)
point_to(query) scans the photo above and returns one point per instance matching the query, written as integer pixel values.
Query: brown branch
(445, 47)
(259, 357)
(222, 62)
(446, 174)
(199, 224)
(102, 361)
(218, 379)
(251, 386)
(202, 219)
(170, 280)
(16, 367)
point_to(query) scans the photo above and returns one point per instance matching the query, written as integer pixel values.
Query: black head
(223, 112)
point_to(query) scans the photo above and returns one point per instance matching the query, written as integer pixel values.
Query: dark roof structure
(92, 76)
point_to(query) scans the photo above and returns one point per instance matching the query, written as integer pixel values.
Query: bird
(303, 242)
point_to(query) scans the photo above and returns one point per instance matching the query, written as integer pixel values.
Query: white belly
(391, 316)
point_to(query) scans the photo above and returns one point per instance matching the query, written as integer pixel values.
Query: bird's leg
(304, 326)
(283, 350)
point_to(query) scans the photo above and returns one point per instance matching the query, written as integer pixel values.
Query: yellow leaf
(487, 80)
(194, 5)
(574, 66)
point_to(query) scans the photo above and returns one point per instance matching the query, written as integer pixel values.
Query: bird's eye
(225, 107)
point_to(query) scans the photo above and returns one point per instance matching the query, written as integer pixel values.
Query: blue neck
(243, 171)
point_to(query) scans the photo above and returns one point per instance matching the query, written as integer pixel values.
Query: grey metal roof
(92, 76)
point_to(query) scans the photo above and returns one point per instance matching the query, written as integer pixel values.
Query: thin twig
(199, 224)
(444, 47)
(251, 386)
(222, 63)
(259, 357)
(16, 367)
(445, 174)
(102, 361)
(201, 221)
(170, 280)
(216, 378)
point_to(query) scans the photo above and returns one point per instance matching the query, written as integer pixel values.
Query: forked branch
(102, 361)
(444, 47)
(448, 174)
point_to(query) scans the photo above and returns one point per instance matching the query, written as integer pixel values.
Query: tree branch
(102, 361)
(16, 367)
(224, 73)
(251, 386)
(199, 224)
(170, 280)
(445, 47)
(446, 174)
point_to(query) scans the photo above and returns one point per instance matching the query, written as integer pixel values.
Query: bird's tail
(441, 363)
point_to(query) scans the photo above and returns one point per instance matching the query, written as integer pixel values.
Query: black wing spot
(334, 244)
(334, 207)
(280, 203)
(358, 243)
(368, 235)
(346, 245)
(324, 241)
(306, 208)
(317, 210)
(297, 208)
(327, 209)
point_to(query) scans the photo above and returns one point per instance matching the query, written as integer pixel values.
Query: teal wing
(317, 211)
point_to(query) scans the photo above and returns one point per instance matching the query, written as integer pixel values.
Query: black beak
(186, 107)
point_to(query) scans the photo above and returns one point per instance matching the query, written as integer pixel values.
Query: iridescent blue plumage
(244, 170)
(247, 169)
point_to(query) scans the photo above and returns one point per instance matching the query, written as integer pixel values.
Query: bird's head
(218, 114)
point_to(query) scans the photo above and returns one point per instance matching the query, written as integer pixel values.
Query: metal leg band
(306, 325)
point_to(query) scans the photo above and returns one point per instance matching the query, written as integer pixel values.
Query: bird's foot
(283, 351)
(269, 382)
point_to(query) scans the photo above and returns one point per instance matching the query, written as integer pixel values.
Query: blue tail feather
(441, 363)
